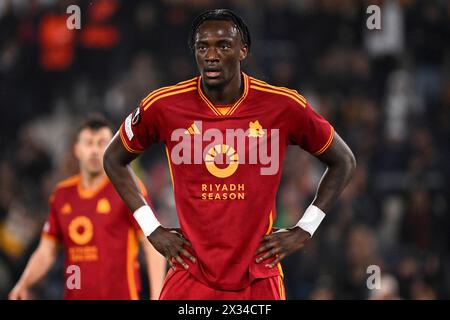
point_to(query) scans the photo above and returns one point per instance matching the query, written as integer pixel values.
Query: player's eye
(201, 47)
(225, 46)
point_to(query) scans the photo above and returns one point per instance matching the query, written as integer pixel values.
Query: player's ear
(243, 52)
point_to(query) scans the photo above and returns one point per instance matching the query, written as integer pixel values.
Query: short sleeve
(52, 229)
(308, 129)
(140, 129)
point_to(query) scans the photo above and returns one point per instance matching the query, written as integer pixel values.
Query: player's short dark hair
(94, 121)
(220, 14)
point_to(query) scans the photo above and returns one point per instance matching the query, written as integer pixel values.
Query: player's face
(218, 52)
(90, 148)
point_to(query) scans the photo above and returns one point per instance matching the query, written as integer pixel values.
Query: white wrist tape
(146, 220)
(311, 219)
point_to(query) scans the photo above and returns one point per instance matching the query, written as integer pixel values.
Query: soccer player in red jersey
(226, 134)
(96, 229)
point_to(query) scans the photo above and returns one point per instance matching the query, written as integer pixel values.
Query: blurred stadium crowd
(387, 92)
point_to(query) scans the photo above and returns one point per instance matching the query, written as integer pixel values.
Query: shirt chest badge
(66, 208)
(103, 206)
(255, 130)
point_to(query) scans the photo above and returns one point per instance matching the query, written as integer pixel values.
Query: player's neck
(91, 181)
(228, 94)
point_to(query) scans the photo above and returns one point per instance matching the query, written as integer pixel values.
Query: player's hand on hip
(19, 293)
(280, 244)
(169, 242)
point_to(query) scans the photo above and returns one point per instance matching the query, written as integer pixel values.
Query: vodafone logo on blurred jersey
(225, 152)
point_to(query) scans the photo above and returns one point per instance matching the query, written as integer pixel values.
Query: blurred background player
(90, 222)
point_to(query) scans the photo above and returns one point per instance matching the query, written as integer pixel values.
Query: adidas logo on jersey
(193, 129)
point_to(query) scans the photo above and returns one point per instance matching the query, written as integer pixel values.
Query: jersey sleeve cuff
(49, 237)
(125, 143)
(327, 144)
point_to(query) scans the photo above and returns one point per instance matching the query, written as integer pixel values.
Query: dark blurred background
(387, 93)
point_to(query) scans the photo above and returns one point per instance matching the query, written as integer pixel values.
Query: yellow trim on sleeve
(325, 147)
(125, 144)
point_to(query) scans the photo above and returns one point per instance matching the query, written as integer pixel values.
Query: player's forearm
(331, 185)
(341, 165)
(37, 267)
(116, 165)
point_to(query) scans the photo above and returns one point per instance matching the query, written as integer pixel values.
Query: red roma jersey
(225, 163)
(99, 235)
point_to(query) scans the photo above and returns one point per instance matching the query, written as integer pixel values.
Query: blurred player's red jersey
(100, 236)
(225, 209)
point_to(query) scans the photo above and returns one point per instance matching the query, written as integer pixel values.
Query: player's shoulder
(176, 91)
(66, 183)
(290, 96)
(63, 186)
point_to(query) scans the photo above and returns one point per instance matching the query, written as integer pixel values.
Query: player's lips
(94, 161)
(212, 72)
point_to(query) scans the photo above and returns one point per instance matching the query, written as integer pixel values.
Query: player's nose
(211, 55)
(96, 151)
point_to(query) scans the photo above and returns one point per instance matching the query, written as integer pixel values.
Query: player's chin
(214, 81)
(95, 169)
